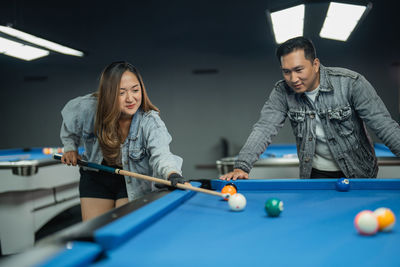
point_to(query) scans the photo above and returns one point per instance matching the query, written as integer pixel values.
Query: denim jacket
(145, 150)
(346, 103)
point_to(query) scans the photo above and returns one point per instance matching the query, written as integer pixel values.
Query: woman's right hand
(70, 158)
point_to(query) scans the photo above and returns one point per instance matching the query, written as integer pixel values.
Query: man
(328, 109)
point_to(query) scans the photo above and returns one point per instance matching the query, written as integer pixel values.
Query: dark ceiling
(167, 40)
(107, 30)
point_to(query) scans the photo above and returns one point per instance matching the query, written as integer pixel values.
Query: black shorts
(326, 174)
(100, 184)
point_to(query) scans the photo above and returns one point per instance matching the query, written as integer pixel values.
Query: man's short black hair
(296, 44)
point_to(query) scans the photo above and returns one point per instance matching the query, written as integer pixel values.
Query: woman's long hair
(106, 125)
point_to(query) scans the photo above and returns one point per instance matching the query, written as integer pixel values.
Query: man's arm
(272, 119)
(374, 113)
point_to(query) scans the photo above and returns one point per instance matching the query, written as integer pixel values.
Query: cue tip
(226, 196)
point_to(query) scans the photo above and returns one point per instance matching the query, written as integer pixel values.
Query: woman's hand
(70, 158)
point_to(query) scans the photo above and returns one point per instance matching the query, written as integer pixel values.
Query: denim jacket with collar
(145, 150)
(346, 103)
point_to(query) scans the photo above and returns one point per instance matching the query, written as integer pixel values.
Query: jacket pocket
(139, 160)
(341, 120)
(136, 154)
(297, 119)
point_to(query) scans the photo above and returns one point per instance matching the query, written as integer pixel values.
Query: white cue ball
(237, 202)
(366, 222)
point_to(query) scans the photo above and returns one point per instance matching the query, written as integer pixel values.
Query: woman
(118, 126)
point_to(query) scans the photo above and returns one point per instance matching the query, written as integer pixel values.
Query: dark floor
(63, 220)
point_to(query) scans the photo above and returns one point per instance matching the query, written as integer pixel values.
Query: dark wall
(166, 43)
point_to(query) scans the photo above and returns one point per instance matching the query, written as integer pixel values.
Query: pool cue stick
(143, 177)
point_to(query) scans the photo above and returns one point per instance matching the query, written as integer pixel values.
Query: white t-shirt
(323, 159)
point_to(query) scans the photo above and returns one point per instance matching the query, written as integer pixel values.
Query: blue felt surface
(315, 228)
(194, 229)
(307, 184)
(290, 151)
(18, 154)
(117, 232)
(383, 151)
(280, 151)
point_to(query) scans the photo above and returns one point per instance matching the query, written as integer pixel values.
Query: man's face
(300, 74)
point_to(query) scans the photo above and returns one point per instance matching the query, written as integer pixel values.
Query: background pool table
(277, 156)
(184, 228)
(34, 188)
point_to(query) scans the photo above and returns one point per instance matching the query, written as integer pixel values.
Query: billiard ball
(366, 222)
(232, 184)
(46, 151)
(237, 202)
(273, 207)
(386, 219)
(343, 184)
(228, 189)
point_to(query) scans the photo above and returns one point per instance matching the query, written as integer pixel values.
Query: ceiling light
(40, 42)
(341, 20)
(287, 23)
(21, 51)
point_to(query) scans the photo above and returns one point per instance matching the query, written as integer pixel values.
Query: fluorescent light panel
(288, 23)
(341, 20)
(40, 42)
(21, 51)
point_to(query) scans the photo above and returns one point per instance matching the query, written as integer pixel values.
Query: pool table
(34, 188)
(184, 228)
(277, 156)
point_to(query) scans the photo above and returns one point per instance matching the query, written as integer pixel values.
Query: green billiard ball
(273, 207)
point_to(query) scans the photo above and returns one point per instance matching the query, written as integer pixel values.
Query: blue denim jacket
(145, 150)
(346, 103)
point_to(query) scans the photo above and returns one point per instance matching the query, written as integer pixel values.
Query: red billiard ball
(343, 184)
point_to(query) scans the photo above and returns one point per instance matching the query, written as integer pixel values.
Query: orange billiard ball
(228, 189)
(232, 184)
(386, 219)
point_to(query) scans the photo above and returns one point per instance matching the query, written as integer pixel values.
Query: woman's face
(130, 94)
